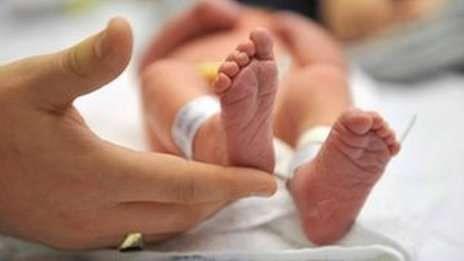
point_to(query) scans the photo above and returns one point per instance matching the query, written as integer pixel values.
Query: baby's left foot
(330, 190)
(247, 86)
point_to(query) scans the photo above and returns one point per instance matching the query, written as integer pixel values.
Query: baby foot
(247, 85)
(331, 190)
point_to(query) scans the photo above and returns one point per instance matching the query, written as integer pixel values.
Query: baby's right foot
(330, 190)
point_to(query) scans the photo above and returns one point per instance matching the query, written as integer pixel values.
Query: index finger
(169, 179)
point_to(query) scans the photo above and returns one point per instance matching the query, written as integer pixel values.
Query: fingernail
(100, 45)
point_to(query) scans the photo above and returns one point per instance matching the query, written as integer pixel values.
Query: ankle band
(314, 135)
(308, 147)
(189, 119)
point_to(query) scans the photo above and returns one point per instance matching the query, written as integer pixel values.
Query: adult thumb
(58, 79)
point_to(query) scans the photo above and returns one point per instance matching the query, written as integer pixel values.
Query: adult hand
(63, 186)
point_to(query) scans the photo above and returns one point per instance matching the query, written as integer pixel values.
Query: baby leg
(319, 71)
(329, 189)
(246, 85)
(166, 86)
(206, 17)
(310, 96)
(307, 42)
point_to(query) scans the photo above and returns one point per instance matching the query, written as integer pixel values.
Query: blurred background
(411, 53)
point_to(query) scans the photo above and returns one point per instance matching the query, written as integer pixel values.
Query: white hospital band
(308, 147)
(314, 135)
(189, 119)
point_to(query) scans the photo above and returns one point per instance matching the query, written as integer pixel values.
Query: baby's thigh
(179, 77)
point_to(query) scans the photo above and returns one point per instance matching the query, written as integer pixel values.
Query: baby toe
(262, 40)
(391, 139)
(248, 48)
(233, 56)
(242, 59)
(384, 132)
(222, 83)
(357, 121)
(395, 148)
(376, 143)
(229, 68)
(377, 120)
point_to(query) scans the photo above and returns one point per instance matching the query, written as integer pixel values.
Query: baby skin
(329, 190)
(247, 85)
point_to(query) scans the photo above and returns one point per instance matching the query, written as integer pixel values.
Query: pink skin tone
(247, 86)
(330, 190)
(190, 25)
(314, 92)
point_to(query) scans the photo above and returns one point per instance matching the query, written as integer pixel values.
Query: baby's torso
(215, 47)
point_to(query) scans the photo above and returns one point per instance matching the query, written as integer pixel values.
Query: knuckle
(187, 190)
(70, 63)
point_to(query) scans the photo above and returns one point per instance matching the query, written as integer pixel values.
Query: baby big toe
(357, 121)
(248, 48)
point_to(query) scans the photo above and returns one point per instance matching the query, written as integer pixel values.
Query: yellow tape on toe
(209, 70)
